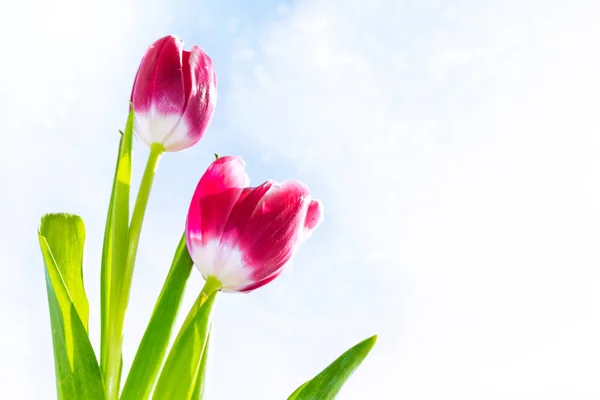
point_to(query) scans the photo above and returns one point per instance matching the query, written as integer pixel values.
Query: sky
(453, 143)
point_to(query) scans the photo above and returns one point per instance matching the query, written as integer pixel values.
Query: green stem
(121, 299)
(181, 369)
(211, 285)
(151, 351)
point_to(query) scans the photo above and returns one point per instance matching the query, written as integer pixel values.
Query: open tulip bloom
(239, 238)
(244, 236)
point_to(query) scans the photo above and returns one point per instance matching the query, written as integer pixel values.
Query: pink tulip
(244, 236)
(174, 95)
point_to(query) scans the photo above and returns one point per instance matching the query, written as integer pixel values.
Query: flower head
(174, 94)
(243, 235)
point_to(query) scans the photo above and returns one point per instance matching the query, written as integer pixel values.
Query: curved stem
(121, 299)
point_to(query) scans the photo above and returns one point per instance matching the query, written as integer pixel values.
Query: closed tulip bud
(174, 95)
(243, 236)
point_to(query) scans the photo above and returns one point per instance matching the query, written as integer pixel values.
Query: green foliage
(328, 383)
(78, 376)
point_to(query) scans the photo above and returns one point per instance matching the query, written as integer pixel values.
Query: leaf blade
(76, 367)
(151, 351)
(328, 382)
(200, 386)
(116, 234)
(296, 393)
(68, 256)
(177, 379)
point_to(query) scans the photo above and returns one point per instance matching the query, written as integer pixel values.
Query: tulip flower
(243, 236)
(174, 95)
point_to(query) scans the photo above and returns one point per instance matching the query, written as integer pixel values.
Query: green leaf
(328, 383)
(180, 373)
(294, 395)
(201, 374)
(151, 352)
(61, 238)
(68, 255)
(116, 236)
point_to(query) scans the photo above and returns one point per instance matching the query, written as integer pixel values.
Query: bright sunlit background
(455, 145)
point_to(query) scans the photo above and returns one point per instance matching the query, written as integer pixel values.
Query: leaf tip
(50, 221)
(369, 343)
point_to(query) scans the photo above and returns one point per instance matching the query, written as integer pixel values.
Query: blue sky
(455, 147)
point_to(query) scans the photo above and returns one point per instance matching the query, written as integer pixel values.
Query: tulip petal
(232, 259)
(273, 230)
(151, 127)
(254, 285)
(158, 92)
(159, 84)
(242, 212)
(225, 264)
(224, 173)
(216, 194)
(200, 83)
(314, 215)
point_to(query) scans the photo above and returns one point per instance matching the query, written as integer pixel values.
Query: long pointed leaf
(328, 383)
(200, 384)
(116, 234)
(77, 373)
(294, 395)
(178, 377)
(151, 352)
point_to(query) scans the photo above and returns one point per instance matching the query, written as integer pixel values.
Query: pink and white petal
(242, 212)
(230, 269)
(200, 75)
(314, 215)
(181, 136)
(215, 196)
(169, 95)
(178, 138)
(274, 228)
(208, 214)
(224, 173)
(223, 263)
(204, 254)
(154, 127)
(159, 82)
(254, 285)
(236, 222)
(204, 226)
(186, 74)
(143, 85)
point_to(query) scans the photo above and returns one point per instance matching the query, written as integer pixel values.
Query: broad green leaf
(328, 383)
(68, 255)
(201, 374)
(116, 236)
(151, 352)
(77, 373)
(178, 377)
